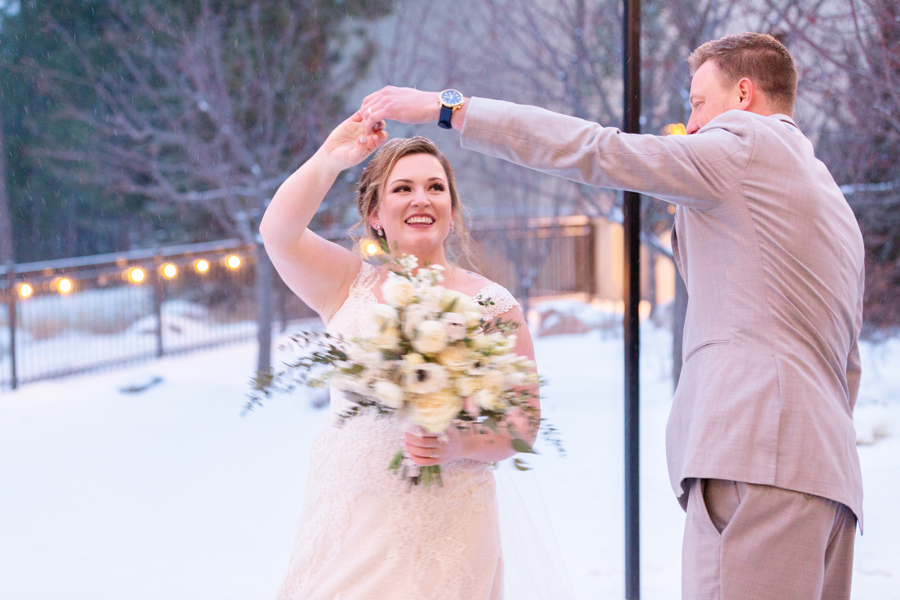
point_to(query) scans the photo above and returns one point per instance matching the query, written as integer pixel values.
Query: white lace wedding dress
(363, 534)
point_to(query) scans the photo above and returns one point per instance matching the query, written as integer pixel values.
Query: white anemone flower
(456, 326)
(425, 378)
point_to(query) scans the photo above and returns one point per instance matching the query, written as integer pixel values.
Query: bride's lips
(420, 220)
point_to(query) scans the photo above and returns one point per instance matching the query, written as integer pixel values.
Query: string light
(234, 261)
(675, 129)
(369, 247)
(64, 285)
(170, 270)
(25, 290)
(136, 275)
(202, 266)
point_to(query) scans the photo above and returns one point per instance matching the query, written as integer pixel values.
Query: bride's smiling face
(415, 208)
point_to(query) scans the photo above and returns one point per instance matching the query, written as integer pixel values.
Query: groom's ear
(746, 92)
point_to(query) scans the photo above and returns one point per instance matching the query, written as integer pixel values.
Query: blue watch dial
(451, 98)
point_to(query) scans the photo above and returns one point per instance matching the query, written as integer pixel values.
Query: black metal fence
(70, 316)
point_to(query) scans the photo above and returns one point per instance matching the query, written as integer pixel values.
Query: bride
(363, 533)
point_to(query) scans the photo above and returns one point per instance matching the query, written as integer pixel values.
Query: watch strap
(446, 115)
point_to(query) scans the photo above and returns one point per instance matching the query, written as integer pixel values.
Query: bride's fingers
(373, 117)
(424, 442)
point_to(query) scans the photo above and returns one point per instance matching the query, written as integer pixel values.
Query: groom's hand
(405, 105)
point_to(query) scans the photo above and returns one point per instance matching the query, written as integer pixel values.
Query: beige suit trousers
(755, 542)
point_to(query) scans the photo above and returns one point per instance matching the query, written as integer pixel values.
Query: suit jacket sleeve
(696, 171)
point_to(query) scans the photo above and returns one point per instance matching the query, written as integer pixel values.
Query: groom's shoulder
(738, 122)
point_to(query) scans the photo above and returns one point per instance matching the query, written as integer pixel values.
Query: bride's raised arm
(318, 271)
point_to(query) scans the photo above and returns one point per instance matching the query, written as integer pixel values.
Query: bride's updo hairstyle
(374, 178)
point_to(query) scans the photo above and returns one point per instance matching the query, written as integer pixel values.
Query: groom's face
(709, 98)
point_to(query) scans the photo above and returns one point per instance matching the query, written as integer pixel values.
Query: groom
(760, 441)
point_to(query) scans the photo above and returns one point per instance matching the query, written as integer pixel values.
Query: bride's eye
(438, 187)
(401, 188)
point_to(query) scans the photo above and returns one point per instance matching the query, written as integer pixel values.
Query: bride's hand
(428, 450)
(348, 145)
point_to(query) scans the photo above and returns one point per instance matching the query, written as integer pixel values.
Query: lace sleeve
(501, 298)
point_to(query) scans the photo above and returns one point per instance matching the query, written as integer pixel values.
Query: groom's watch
(451, 101)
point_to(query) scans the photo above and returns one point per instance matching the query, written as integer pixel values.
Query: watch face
(451, 98)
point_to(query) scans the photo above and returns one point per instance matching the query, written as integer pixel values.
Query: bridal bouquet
(427, 356)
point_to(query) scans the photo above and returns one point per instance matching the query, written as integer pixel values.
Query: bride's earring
(379, 230)
(452, 227)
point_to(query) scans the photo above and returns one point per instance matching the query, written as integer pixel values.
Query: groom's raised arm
(696, 171)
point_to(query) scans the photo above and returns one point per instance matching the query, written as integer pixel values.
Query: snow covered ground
(169, 493)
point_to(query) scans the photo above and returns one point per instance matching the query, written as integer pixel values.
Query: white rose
(383, 314)
(516, 379)
(486, 399)
(431, 298)
(430, 338)
(502, 343)
(451, 300)
(482, 341)
(493, 379)
(412, 359)
(397, 291)
(455, 358)
(384, 329)
(387, 338)
(389, 394)
(456, 326)
(424, 378)
(466, 386)
(412, 316)
(371, 359)
(435, 412)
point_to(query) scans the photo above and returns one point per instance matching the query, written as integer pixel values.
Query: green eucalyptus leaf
(520, 445)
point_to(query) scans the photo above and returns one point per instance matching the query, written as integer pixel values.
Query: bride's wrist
(325, 163)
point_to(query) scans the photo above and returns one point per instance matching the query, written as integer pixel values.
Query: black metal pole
(632, 297)
(264, 306)
(158, 299)
(11, 312)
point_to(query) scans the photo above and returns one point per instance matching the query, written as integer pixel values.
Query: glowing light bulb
(234, 261)
(202, 266)
(371, 248)
(25, 290)
(170, 270)
(676, 129)
(136, 275)
(64, 286)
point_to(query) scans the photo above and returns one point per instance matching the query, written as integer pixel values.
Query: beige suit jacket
(773, 261)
